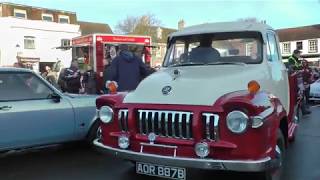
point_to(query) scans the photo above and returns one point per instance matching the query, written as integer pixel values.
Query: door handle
(5, 108)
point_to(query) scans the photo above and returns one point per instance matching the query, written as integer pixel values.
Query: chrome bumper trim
(211, 164)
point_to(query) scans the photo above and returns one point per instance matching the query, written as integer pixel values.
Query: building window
(29, 42)
(286, 48)
(19, 13)
(299, 45)
(47, 17)
(63, 19)
(313, 46)
(249, 49)
(0, 10)
(65, 42)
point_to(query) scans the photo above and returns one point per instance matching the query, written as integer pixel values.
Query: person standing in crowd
(315, 74)
(293, 61)
(50, 76)
(89, 81)
(295, 65)
(106, 74)
(127, 69)
(307, 79)
(72, 77)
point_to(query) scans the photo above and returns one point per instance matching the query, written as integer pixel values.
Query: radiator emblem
(166, 90)
(152, 137)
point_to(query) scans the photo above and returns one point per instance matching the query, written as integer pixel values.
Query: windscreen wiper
(187, 64)
(222, 63)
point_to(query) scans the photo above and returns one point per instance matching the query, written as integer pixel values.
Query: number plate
(161, 171)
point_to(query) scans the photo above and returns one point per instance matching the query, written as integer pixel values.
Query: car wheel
(280, 154)
(94, 133)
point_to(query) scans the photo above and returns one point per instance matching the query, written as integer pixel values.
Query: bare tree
(127, 25)
(141, 25)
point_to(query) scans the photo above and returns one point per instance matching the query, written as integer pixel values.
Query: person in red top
(307, 79)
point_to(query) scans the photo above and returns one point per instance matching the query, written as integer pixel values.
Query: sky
(277, 13)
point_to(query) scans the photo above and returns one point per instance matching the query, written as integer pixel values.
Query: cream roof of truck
(223, 27)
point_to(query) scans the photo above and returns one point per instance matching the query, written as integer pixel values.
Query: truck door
(278, 70)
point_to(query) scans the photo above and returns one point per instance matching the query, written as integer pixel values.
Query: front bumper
(211, 164)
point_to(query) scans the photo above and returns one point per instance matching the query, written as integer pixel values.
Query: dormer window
(19, 13)
(64, 19)
(47, 17)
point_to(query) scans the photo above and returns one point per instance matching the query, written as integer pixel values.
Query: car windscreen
(217, 48)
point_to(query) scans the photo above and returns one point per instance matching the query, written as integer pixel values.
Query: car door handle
(5, 108)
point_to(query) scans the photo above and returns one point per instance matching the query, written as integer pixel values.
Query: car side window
(272, 48)
(22, 86)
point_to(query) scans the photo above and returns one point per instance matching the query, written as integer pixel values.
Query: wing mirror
(55, 97)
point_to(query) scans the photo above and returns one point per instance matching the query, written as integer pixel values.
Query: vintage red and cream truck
(222, 101)
(91, 50)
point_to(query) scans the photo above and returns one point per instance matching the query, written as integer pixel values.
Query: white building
(35, 41)
(305, 39)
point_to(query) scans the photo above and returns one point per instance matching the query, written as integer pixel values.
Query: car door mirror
(55, 97)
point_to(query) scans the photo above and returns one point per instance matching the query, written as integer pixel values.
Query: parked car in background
(315, 91)
(34, 113)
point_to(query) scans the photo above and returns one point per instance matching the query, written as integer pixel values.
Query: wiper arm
(222, 63)
(187, 64)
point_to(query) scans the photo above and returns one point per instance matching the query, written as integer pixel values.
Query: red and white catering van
(91, 50)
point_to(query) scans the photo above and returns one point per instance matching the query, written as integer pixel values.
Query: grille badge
(166, 90)
(152, 137)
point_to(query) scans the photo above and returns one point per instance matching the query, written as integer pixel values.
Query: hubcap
(278, 154)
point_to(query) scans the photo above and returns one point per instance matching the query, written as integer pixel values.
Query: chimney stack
(181, 24)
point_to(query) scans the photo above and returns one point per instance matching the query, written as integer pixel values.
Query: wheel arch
(283, 126)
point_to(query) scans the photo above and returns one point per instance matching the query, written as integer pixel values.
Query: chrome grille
(176, 124)
(123, 119)
(211, 126)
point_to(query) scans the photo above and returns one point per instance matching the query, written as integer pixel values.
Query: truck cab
(222, 101)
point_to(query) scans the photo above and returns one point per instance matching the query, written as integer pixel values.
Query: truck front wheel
(280, 154)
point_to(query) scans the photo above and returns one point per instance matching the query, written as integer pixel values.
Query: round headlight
(123, 142)
(202, 149)
(237, 121)
(106, 114)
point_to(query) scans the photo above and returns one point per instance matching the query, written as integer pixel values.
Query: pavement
(83, 163)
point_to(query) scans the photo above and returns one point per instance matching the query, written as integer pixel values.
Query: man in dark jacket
(72, 78)
(127, 69)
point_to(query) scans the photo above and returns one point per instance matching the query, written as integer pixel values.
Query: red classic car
(220, 102)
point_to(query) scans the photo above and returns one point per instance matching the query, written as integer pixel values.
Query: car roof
(223, 27)
(13, 69)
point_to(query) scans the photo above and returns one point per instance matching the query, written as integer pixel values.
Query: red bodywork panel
(253, 144)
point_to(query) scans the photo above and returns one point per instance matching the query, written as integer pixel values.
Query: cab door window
(272, 48)
(22, 86)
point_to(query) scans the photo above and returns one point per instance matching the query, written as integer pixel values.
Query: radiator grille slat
(211, 126)
(123, 119)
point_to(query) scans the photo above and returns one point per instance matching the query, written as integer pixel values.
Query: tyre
(297, 115)
(280, 154)
(94, 133)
